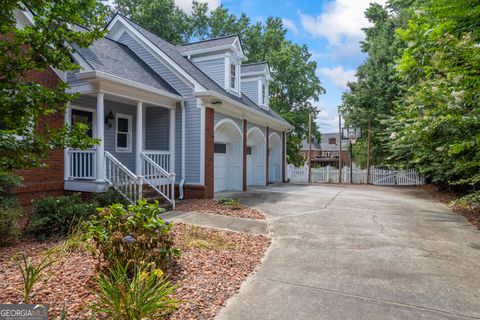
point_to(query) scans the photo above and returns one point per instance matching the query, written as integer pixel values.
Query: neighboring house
(191, 116)
(326, 153)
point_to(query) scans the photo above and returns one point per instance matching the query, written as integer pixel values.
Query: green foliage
(133, 235)
(440, 114)
(228, 201)
(145, 295)
(25, 139)
(9, 227)
(56, 216)
(8, 181)
(470, 201)
(294, 84)
(111, 196)
(31, 273)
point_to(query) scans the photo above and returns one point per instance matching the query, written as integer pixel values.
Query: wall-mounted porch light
(109, 119)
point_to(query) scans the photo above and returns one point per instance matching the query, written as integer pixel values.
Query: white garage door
(220, 167)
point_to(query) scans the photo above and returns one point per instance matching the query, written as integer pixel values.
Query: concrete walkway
(360, 252)
(216, 221)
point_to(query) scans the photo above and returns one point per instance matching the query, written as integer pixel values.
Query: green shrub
(133, 235)
(9, 227)
(8, 181)
(56, 216)
(228, 201)
(470, 201)
(145, 295)
(111, 196)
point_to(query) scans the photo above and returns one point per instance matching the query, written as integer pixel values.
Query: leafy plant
(132, 235)
(30, 273)
(75, 242)
(9, 227)
(8, 181)
(469, 201)
(111, 196)
(228, 201)
(145, 295)
(56, 216)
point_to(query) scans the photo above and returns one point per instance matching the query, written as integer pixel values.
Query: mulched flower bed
(472, 214)
(212, 207)
(210, 270)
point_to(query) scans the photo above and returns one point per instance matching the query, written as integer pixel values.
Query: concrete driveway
(360, 252)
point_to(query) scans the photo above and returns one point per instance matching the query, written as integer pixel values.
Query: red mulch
(472, 214)
(212, 207)
(211, 268)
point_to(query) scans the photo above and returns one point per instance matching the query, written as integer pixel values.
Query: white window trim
(128, 149)
(235, 82)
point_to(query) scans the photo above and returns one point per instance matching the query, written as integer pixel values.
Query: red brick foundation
(209, 153)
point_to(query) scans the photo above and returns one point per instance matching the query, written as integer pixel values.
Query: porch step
(151, 196)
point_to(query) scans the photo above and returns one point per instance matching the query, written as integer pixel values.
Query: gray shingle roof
(254, 67)
(207, 44)
(172, 52)
(111, 57)
(324, 144)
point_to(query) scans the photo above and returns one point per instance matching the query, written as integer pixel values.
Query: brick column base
(267, 156)
(244, 173)
(209, 152)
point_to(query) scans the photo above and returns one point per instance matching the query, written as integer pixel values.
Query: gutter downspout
(182, 182)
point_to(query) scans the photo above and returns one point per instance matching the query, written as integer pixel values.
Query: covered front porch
(137, 142)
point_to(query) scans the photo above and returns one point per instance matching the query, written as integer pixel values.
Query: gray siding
(214, 68)
(219, 116)
(73, 81)
(192, 116)
(127, 158)
(157, 129)
(250, 89)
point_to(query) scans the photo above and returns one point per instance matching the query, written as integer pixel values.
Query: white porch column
(66, 159)
(171, 140)
(100, 135)
(139, 140)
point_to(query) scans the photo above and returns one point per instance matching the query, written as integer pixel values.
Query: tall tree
(372, 96)
(25, 139)
(162, 17)
(437, 126)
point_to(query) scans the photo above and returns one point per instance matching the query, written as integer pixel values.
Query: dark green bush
(8, 181)
(55, 216)
(9, 227)
(111, 196)
(133, 235)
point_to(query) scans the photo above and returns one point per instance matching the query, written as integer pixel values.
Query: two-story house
(326, 152)
(191, 118)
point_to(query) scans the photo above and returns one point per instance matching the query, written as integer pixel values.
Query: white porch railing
(158, 178)
(81, 164)
(122, 179)
(161, 158)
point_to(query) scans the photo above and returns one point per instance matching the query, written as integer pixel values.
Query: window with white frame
(124, 133)
(233, 76)
(264, 95)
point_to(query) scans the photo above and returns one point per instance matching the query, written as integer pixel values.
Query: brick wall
(209, 153)
(49, 180)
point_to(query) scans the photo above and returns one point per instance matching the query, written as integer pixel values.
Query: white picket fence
(378, 176)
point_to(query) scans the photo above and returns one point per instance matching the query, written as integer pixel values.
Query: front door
(86, 117)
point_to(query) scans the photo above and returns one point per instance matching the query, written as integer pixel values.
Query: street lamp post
(352, 134)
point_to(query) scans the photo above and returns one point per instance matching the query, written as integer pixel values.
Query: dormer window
(233, 76)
